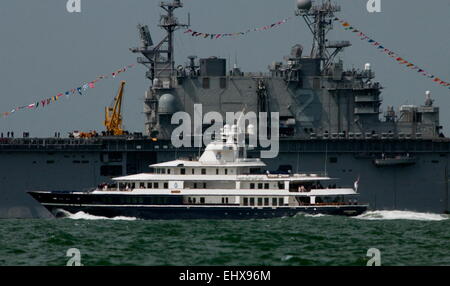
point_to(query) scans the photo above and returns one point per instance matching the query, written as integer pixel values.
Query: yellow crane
(113, 114)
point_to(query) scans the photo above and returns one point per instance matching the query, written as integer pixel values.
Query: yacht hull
(142, 211)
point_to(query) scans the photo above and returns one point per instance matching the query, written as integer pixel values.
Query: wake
(401, 215)
(85, 216)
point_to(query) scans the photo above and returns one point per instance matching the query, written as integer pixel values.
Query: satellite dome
(304, 4)
(167, 104)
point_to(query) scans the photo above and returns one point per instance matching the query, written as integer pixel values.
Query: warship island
(330, 122)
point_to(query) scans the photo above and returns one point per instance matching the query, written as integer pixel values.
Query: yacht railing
(296, 175)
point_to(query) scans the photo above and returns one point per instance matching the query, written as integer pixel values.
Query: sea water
(402, 238)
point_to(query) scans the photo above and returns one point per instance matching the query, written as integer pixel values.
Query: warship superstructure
(330, 121)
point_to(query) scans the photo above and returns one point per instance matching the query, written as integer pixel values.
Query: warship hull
(79, 164)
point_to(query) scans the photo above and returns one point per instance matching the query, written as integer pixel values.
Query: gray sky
(45, 50)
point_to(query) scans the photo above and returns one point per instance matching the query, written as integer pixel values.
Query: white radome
(304, 4)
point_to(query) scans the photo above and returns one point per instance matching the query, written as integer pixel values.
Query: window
(260, 201)
(226, 171)
(193, 171)
(280, 185)
(274, 201)
(204, 185)
(333, 159)
(203, 171)
(245, 201)
(202, 200)
(252, 185)
(133, 185)
(168, 171)
(252, 201)
(217, 171)
(206, 82)
(280, 201)
(260, 185)
(155, 185)
(195, 185)
(149, 185)
(142, 185)
(183, 171)
(266, 185)
(163, 171)
(266, 201)
(166, 185)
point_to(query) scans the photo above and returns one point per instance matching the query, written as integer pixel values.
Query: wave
(405, 215)
(82, 215)
(314, 215)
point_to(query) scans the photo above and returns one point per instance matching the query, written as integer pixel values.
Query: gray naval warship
(330, 121)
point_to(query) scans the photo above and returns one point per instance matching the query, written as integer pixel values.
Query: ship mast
(319, 19)
(160, 62)
(170, 23)
(159, 59)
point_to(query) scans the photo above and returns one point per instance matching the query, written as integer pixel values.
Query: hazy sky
(46, 50)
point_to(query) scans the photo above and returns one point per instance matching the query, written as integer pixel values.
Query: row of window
(194, 200)
(265, 185)
(137, 200)
(196, 185)
(145, 185)
(263, 201)
(183, 171)
(162, 171)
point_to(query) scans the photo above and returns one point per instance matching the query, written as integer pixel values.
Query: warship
(330, 120)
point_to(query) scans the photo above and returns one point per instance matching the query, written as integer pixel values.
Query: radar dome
(167, 104)
(304, 4)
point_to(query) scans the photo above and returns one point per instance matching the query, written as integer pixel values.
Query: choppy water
(404, 238)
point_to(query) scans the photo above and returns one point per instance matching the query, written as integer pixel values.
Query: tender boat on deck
(220, 185)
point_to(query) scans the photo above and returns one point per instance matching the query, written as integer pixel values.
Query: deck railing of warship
(333, 143)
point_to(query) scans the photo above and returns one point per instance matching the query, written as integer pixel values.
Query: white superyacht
(219, 185)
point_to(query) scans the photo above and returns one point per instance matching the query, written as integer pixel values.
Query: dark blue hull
(172, 207)
(204, 212)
